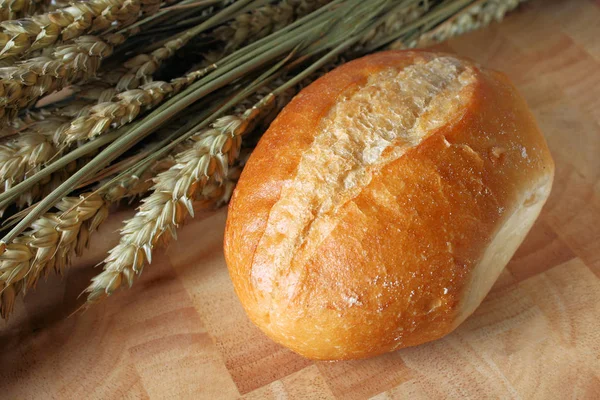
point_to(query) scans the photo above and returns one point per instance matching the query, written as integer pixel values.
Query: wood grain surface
(181, 333)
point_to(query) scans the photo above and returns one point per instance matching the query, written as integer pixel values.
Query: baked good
(383, 202)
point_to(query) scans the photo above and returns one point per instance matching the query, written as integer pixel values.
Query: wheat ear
(15, 9)
(21, 156)
(24, 154)
(124, 108)
(199, 172)
(264, 20)
(27, 81)
(476, 16)
(55, 238)
(40, 31)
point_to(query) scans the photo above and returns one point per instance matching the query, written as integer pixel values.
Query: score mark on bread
(383, 202)
(365, 130)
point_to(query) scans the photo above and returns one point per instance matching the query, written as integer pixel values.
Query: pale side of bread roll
(382, 204)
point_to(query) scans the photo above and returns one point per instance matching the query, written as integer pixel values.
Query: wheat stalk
(127, 105)
(40, 31)
(199, 172)
(97, 119)
(243, 29)
(55, 238)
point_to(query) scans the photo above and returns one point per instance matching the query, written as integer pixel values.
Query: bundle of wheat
(105, 100)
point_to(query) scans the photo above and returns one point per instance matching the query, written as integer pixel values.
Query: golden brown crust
(398, 256)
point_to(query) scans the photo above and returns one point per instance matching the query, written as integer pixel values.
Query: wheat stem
(140, 68)
(246, 27)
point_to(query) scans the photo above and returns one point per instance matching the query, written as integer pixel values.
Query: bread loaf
(382, 204)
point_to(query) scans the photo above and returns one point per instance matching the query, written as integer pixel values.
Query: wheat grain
(15, 264)
(14, 9)
(48, 6)
(81, 17)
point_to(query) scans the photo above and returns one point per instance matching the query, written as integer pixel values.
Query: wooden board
(181, 333)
